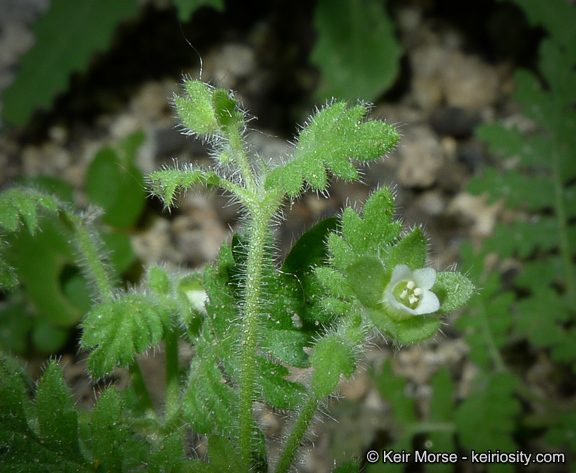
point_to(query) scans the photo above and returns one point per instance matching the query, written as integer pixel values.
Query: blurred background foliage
(519, 316)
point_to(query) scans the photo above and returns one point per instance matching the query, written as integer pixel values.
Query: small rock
(458, 122)
(483, 217)
(421, 158)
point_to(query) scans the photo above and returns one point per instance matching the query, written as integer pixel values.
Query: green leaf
(55, 447)
(334, 136)
(167, 184)
(170, 457)
(22, 205)
(442, 408)
(223, 455)
(411, 250)
(120, 329)
(486, 418)
(375, 230)
(108, 431)
(66, 38)
(276, 389)
(311, 248)
(210, 404)
(115, 184)
(348, 467)
(356, 49)
(187, 7)
(368, 278)
(44, 264)
(57, 416)
(196, 111)
(331, 357)
(416, 329)
(453, 290)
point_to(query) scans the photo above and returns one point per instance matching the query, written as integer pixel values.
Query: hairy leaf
(335, 135)
(120, 329)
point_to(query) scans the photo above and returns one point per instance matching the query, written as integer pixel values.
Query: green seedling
(249, 319)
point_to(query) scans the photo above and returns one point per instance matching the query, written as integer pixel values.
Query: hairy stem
(94, 268)
(258, 231)
(172, 387)
(297, 434)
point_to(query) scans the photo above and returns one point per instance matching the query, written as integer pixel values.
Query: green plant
(536, 313)
(67, 37)
(249, 320)
(356, 50)
(54, 294)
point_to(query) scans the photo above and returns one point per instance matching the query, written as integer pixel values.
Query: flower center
(408, 293)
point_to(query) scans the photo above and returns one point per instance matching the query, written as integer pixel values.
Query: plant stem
(297, 434)
(258, 231)
(93, 265)
(140, 388)
(171, 341)
(562, 227)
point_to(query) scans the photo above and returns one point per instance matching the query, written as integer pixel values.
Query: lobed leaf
(120, 329)
(55, 446)
(486, 418)
(167, 184)
(19, 205)
(335, 135)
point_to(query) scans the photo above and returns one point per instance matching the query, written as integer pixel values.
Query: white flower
(409, 291)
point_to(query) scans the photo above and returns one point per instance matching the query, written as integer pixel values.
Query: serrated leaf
(120, 329)
(167, 184)
(209, 403)
(21, 448)
(276, 390)
(22, 205)
(57, 416)
(108, 432)
(335, 135)
(66, 38)
(441, 411)
(331, 357)
(356, 49)
(286, 345)
(335, 282)
(196, 111)
(375, 230)
(485, 419)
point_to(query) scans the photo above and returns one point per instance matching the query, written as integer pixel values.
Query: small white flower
(409, 291)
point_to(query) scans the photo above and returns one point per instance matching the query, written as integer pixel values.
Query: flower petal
(424, 278)
(428, 304)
